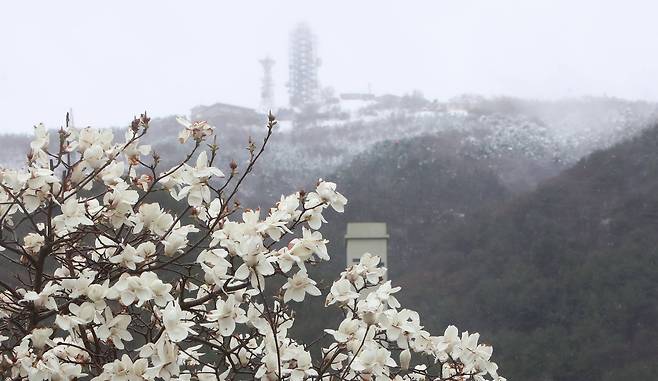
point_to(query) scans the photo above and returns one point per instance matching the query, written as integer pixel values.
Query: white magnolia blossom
(298, 286)
(197, 130)
(177, 240)
(225, 316)
(121, 282)
(196, 180)
(73, 215)
(133, 150)
(127, 257)
(115, 329)
(43, 299)
(177, 322)
(119, 204)
(152, 218)
(141, 289)
(33, 242)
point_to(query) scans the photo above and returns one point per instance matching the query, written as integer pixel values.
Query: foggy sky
(111, 60)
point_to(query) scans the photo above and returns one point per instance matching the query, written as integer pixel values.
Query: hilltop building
(227, 115)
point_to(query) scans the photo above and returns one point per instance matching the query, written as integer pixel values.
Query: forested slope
(564, 279)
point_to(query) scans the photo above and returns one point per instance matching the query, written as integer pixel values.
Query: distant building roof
(355, 96)
(222, 107)
(227, 114)
(366, 230)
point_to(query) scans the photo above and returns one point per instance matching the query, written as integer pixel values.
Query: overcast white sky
(111, 60)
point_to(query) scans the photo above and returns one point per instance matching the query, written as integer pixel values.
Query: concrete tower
(267, 85)
(366, 237)
(303, 86)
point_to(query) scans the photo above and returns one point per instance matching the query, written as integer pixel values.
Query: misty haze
(329, 191)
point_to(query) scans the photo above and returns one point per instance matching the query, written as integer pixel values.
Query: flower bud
(405, 359)
(134, 125)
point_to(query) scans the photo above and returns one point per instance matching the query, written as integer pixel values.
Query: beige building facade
(366, 237)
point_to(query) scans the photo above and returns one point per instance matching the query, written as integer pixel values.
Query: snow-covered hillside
(317, 143)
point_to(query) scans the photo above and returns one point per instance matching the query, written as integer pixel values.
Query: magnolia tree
(102, 282)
